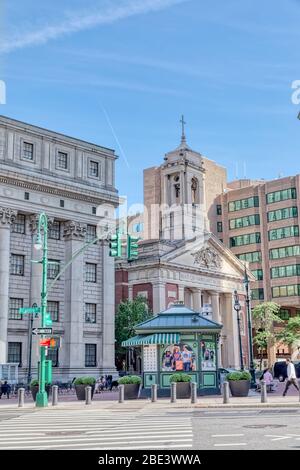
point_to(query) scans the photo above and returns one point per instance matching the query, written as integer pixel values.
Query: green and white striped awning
(156, 338)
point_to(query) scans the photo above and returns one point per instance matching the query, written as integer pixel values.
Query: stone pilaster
(74, 235)
(159, 297)
(7, 217)
(216, 316)
(231, 332)
(197, 304)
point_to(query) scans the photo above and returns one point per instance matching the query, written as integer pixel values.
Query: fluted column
(74, 235)
(7, 217)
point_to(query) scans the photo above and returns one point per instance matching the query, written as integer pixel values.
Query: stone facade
(68, 179)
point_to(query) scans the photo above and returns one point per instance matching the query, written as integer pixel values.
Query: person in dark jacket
(5, 389)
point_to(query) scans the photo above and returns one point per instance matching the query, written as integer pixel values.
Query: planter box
(131, 391)
(35, 388)
(183, 390)
(80, 391)
(239, 388)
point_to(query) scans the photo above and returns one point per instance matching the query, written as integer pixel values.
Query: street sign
(42, 331)
(24, 310)
(45, 342)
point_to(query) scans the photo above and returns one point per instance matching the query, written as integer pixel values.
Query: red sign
(45, 342)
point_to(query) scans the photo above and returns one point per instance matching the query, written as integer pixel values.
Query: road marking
(278, 438)
(231, 444)
(226, 435)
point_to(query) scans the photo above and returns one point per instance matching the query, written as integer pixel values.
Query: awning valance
(156, 338)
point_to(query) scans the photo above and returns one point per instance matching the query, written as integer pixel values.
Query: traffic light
(115, 245)
(132, 247)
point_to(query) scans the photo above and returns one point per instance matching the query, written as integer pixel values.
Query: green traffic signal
(115, 246)
(132, 247)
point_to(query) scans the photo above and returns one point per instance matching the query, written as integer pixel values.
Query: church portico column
(74, 235)
(216, 316)
(7, 217)
(231, 332)
(197, 304)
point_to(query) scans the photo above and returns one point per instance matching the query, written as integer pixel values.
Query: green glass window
(244, 221)
(219, 227)
(219, 209)
(258, 274)
(257, 294)
(286, 291)
(280, 214)
(284, 252)
(284, 232)
(282, 195)
(285, 271)
(252, 257)
(284, 313)
(243, 204)
(246, 239)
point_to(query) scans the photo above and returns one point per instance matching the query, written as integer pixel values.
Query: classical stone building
(179, 258)
(68, 179)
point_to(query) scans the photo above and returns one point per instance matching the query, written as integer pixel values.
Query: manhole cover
(261, 426)
(64, 433)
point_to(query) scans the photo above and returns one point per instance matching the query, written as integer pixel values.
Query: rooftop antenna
(245, 172)
(236, 171)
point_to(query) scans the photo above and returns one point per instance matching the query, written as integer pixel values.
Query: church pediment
(206, 254)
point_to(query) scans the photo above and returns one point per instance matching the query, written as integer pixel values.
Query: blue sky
(121, 72)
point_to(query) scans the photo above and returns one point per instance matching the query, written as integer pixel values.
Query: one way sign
(42, 331)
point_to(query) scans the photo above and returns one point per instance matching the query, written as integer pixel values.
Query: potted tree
(132, 385)
(81, 383)
(183, 386)
(34, 388)
(239, 383)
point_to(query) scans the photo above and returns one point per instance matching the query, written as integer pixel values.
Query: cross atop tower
(183, 140)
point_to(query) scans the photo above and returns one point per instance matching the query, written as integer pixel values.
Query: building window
(61, 203)
(252, 257)
(246, 239)
(26, 196)
(219, 209)
(54, 230)
(286, 291)
(282, 214)
(17, 265)
(91, 233)
(53, 309)
(62, 161)
(15, 353)
(90, 272)
(19, 224)
(14, 306)
(243, 204)
(285, 271)
(90, 355)
(94, 169)
(285, 252)
(53, 268)
(258, 274)
(284, 314)
(282, 195)
(27, 151)
(284, 232)
(257, 294)
(244, 221)
(219, 227)
(90, 313)
(94, 210)
(53, 356)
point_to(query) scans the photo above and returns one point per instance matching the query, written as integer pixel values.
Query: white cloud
(81, 21)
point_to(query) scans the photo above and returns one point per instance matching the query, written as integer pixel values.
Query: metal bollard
(226, 392)
(54, 395)
(21, 394)
(88, 395)
(173, 392)
(193, 392)
(263, 392)
(121, 393)
(154, 392)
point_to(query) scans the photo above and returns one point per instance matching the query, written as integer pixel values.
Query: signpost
(42, 331)
(26, 310)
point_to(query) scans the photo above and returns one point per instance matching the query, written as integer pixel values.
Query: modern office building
(68, 179)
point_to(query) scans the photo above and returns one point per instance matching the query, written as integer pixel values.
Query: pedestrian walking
(291, 377)
(5, 389)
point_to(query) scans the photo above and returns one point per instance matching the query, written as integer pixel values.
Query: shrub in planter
(80, 384)
(34, 388)
(239, 383)
(132, 385)
(183, 386)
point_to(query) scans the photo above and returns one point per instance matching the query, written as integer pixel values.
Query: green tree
(264, 316)
(129, 314)
(290, 334)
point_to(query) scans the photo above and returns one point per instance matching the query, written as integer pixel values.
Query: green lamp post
(42, 243)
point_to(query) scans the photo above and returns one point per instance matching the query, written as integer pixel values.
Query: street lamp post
(41, 397)
(30, 327)
(237, 308)
(251, 362)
